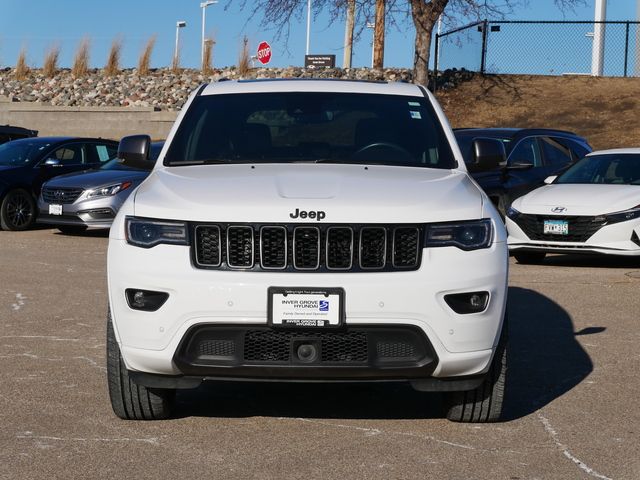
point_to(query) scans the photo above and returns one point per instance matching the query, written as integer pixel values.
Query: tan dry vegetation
(244, 58)
(81, 59)
(22, 69)
(50, 65)
(603, 110)
(207, 66)
(112, 67)
(144, 62)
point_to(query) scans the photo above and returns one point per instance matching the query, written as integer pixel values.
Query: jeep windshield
(311, 127)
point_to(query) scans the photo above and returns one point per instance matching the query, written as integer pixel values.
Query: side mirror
(488, 154)
(550, 180)
(520, 166)
(51, 162)
(133, 151)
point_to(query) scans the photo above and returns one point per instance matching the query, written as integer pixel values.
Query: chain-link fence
(541, 48)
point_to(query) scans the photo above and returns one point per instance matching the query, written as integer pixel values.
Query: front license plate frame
(55, 209)
(555, 227)
(305, 310)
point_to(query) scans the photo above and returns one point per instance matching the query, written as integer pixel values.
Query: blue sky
(36, 24)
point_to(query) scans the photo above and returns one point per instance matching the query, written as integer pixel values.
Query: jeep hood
(346, 193)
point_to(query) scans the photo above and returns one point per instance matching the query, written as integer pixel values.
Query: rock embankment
(162, 88)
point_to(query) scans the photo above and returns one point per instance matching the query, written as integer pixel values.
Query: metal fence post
(435, 63)
(483, 59)
(626, 49)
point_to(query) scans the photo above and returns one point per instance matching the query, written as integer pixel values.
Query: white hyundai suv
(308, 230)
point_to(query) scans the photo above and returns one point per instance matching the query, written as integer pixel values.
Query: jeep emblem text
(319, 215)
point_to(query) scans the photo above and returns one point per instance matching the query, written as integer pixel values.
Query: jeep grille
(307, 247)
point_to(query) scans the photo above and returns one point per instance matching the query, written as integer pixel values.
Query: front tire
(483, 404)
(17, 211)
(530, 258)
(129, 400)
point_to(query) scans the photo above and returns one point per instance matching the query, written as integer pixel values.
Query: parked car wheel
(72, 229)
(129, 400)
(530, 258)
(17, 211)
(483, 404)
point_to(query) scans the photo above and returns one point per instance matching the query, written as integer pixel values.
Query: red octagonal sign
(264, 53)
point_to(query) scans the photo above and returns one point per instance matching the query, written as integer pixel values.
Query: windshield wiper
(208, 161)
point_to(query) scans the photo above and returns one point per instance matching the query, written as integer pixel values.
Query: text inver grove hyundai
(308, 230)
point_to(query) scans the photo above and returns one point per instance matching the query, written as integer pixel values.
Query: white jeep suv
(308, 230)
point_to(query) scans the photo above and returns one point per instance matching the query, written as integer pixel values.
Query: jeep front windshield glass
(311, 127)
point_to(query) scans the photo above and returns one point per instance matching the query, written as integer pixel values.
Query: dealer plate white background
(55, 209)
(306, 310)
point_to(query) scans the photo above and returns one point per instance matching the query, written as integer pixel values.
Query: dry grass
(603, 110)
(144, 62)
(81, 59)
(175, 62)
(244, 58)
(22, 70)
(207, 65)
(112, 67)
(51, 57)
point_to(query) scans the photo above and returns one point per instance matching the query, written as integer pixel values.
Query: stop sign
(264, 53)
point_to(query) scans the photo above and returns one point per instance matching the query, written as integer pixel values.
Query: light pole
(308, 23)
(372, 26)
(597, 55)
(204, 6)
(179, 24)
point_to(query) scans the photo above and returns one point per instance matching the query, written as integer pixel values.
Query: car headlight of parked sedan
(109, 190)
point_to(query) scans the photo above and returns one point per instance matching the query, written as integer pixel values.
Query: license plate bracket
(305, 307)
(556, 227)
(55, 209)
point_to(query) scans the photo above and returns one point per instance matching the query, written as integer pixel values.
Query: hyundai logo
(58, 194)
(558, 209)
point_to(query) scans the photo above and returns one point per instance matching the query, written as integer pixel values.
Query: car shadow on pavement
(545, 359)
(592, 261)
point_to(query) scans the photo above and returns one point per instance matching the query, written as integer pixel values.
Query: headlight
(624, 216)
(512, 213)
(147, 233)
(464, 235)
(108, 191)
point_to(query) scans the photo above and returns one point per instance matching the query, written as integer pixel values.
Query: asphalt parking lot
(572, 405)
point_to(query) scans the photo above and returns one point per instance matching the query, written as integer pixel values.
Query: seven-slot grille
(580, 228)
(60, 195)
(307, 247)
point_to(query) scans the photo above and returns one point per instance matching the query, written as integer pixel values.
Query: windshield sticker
(415, 115)
(414, 104)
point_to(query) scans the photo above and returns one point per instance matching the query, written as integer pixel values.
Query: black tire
(530, 258)
(17, 211)
(72, 229)
(483, 404)
(129, 400)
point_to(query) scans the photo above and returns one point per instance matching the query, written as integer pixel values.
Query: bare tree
(423, 13)
(378, 34)
(348, 33)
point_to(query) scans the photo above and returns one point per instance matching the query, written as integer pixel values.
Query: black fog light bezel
(154, 300)
(461, 302)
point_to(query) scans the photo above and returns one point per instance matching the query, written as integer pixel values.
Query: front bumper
(622, 239)
(98, 212)
(462, 345)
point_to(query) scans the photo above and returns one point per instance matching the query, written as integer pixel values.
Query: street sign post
(319, 61)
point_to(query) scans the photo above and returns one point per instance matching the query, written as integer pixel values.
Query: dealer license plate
(556, 227)
(305, 307)
(55, 209)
